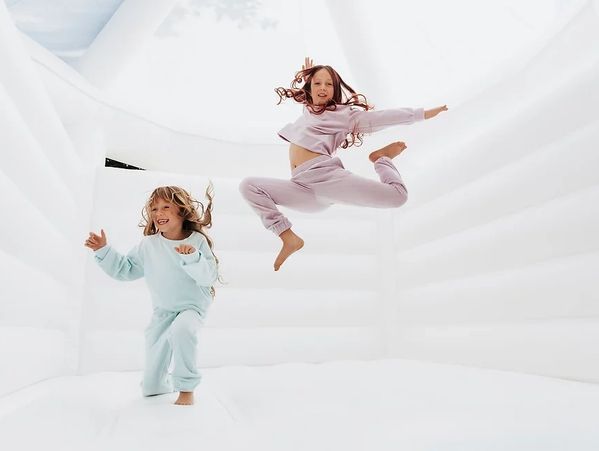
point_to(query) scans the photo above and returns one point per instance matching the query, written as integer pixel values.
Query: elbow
(209, 279)
(215, 277)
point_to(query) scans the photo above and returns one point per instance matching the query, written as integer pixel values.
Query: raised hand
(432, 113)
(96, 242)
(308, 63)
(185, 249)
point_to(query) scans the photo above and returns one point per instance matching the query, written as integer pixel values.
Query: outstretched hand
(185, 249)
(432, 113)
(96, 242)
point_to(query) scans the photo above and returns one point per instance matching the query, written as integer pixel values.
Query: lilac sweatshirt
(324, 133)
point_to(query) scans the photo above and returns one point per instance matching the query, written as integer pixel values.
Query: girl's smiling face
(321, 87)
(166, 219)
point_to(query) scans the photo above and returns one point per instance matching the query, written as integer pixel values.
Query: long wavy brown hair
(196, 216)
(343, 94)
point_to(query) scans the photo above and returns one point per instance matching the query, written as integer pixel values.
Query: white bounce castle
(466, 320)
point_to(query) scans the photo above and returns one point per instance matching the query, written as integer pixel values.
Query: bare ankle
(390, 151)
(291, 243)
(185, 398)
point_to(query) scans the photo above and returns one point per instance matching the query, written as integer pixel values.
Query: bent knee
(247, 186)
(400, 199)
(185, 326)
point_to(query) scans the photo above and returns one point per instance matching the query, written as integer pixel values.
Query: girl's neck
(176, 235)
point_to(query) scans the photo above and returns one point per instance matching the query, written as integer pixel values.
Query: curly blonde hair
(196, 216)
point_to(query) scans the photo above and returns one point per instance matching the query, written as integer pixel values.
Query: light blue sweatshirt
(176, 282)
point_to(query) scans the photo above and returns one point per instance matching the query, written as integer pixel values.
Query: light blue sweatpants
(171, 337)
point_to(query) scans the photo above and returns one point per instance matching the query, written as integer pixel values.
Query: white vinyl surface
(345, 405)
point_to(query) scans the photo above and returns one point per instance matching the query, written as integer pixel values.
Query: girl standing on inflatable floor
(334, 116)
(177, 261)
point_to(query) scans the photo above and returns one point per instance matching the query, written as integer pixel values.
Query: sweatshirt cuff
(419, 114)
(189, 259)
(101, 253)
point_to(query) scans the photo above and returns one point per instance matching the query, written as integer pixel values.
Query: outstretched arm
(432, 113)
(371, 121)
(117, 266)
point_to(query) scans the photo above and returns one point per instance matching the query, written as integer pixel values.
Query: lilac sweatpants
(319, 183)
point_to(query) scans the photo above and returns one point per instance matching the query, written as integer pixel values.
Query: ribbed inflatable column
(87, 136)
(386, 282)
(30, 97)
(122, 38)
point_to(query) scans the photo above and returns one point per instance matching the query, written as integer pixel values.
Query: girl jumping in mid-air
(334, 116)
(180, 269)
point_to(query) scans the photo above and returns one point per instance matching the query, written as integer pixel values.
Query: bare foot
(291, 244)
(392, 150)
(185, 398)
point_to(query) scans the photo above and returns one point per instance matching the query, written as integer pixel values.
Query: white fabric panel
(327, 271)
(552, 65)
(568, 165)
(568, 107)
(564, 348)
(384, 405)
(451, 150)
(565, 287)
(33, 103)
(43, 196)
(121, 38)
(267, 307)
(72, 413)
(238, 307)
(113, 350)
(31, 297)
(74, 98)
(497, 251)
(28, 167)
(145, 144)
(53, 255)
(558, 228)
(321, 234)
(29, 355)
(268, 345)
(141, 142)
